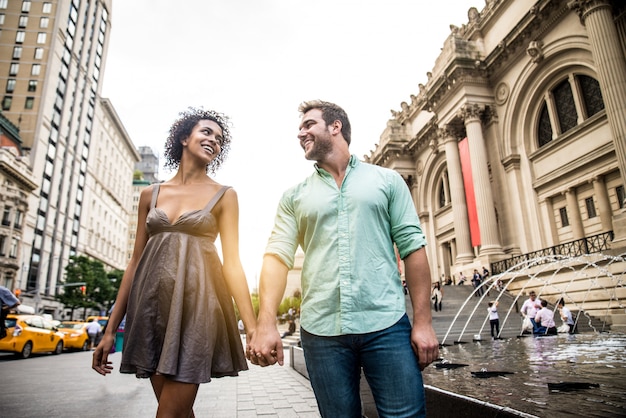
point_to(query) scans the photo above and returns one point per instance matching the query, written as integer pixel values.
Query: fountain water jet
(565, 276)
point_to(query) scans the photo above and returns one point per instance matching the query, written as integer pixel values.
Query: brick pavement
(64, 386)
(273, 391)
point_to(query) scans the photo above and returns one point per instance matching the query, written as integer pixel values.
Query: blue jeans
(389, 365)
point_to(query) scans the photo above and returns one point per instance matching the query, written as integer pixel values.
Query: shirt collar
(351, 163)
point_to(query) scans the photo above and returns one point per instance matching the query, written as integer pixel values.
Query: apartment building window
(32, 85)
(38, 53)
(44, 22)
(591, 207)
(14, 68)
(35, 69)
(10, 85)
(3, 4)
(41, 38)
(1, 18)
(23, 22)
(26, 6)
(29, 103)
(2, 244)
(47, 7)
(6, 216)
(20, 35)
(564, 219)
(14, 247)
(17, 223)
(17, 52)
(621, 195)
(6, 102)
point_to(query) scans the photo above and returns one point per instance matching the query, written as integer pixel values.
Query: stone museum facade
(515, 143)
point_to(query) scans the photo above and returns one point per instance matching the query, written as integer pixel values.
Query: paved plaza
(65, 386)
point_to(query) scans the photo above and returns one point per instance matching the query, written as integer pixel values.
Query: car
(76, 337)
(27, 334)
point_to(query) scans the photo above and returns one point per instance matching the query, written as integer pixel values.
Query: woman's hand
(100, 362)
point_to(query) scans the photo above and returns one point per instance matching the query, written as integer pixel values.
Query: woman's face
(205, 140)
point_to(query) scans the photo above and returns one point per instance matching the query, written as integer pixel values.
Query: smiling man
(348, 217)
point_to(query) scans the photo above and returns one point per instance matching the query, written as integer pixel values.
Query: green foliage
(290, 302)
(100, 287)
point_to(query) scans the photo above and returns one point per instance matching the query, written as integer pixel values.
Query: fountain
(563, 375)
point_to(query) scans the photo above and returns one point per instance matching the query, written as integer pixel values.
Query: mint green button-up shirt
(350, 278)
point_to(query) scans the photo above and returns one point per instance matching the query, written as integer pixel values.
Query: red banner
(470, 199)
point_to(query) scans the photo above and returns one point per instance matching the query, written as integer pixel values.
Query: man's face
(314, 136)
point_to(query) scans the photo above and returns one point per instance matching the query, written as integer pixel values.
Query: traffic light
(83, 289)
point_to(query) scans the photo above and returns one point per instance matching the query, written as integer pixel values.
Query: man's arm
(266, 347)
(423, 337)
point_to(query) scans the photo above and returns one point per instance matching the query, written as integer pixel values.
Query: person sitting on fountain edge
(544, 321)
(566, 317)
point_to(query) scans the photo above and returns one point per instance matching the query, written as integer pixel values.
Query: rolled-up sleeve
(406, 229)
(283, 241)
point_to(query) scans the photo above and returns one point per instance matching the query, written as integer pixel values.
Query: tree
(100, 287)
(77, 271)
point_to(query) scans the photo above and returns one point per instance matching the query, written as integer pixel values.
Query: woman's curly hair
(181, 129)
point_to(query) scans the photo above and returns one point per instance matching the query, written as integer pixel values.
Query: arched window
(545, 128)
(442, 194)
(559, 112)
(564, 105)
(591, 94)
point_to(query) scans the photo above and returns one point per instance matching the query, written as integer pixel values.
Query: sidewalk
(272, 391)
(65, 386)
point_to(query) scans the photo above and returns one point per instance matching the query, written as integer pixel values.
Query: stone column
(464, 253)
(490, 244)
(597, 17)
(604, 205)
(575, 219)
(554, 233)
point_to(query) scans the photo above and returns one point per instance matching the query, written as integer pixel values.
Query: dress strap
(155, 194)
(216, 198)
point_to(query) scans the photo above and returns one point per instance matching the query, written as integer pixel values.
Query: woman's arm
(227, 213)
(100, 361)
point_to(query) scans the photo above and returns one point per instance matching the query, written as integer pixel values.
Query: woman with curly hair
(176, 293)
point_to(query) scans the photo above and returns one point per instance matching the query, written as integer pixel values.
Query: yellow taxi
(27, 334)
(76, 337)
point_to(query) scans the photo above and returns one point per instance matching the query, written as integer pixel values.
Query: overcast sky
(256, 60)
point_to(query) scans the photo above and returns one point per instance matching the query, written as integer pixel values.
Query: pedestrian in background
(476, 281)
(494, 319)
(346, 216)
(93, 331)
(177, 295)
(437, 296)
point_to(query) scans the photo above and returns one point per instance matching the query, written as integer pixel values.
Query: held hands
(100, 362)
(265, 348)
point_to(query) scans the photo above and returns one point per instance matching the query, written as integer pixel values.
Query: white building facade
(80, 155)
(516, 141)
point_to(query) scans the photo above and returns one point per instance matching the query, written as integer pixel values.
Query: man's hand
(425, 344)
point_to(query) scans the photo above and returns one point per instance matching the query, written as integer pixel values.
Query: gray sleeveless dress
(180, 319)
